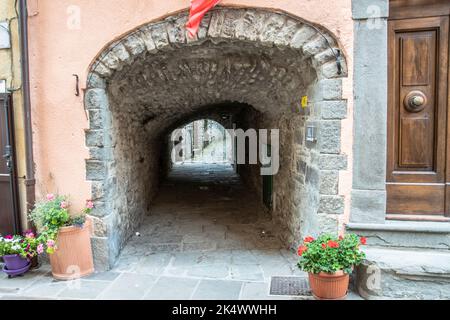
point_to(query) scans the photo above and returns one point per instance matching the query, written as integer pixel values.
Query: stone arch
(292, 55)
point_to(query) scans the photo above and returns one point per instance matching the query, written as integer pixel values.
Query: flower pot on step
(15, 265)
(329, 286)
(72, 258)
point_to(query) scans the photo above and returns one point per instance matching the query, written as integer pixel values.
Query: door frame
(6, 105)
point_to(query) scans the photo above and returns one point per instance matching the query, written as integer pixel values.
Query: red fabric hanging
(196, 14)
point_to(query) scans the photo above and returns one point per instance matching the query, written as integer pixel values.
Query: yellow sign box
(304, 102)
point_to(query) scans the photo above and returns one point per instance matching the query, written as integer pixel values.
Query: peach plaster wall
(59, 48)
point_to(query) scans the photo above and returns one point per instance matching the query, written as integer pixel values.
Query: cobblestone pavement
(207, 238)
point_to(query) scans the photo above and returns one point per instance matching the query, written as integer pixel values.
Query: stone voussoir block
(229, 25)
(95, 138)
(176, 31)
(95, 170)
(273, 26)
(95, 81)
(331, 204)
(115, 57)
(95, 99)
(329, 182)
(101, 69)
(333, 109)
(100, 252)
(134, 44)
(121, 52)
(328, 223)
(96, 153)
(97, 190)
(330, 70)
(325, 55)
(284, 37)
(303, 34)
(330, 89)
(100, 227)
(330, 136)
(216, 23)
(250, 25)
(145, 33)
(160, 36)
(99, 209)
(333, 162)
(315, 45)
(203, 28)
(95, 119)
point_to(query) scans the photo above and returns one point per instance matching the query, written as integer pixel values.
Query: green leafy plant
(329, 253)
(26, 246)
(52, 214)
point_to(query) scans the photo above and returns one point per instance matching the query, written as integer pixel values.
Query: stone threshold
(405, 234)
(403, 226)
(388, 273)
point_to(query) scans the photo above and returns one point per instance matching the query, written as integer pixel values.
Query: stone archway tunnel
(249, 66)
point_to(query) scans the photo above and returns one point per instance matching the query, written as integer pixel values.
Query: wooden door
(417, 168)
(9, 211)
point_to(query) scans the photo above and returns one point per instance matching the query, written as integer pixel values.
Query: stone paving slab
(84, 289)
(172, 288)
(129, 286)
(218, 290)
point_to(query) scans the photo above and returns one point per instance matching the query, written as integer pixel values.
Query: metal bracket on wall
(338, 61)
(77, 85)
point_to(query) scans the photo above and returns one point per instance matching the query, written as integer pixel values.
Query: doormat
(289, 286)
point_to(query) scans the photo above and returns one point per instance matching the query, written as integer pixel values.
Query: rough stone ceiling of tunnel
(160, 90)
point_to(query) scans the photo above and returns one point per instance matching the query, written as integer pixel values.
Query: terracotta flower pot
(329, 286)
(73, 257)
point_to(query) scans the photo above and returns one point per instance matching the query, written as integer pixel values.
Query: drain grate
(289, 286)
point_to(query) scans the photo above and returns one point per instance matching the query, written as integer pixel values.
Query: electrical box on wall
(5, 41)
(311, 133)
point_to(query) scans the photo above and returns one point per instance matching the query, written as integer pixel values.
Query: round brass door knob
(415, 101)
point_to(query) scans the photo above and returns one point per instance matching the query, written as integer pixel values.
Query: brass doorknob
(415, 101)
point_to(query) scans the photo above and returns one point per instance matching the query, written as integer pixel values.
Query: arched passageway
(247, 69)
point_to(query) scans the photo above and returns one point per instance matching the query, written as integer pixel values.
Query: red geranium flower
(324, 246)
(301, 250)
(363, 240)
(333, 244)
(308, 239)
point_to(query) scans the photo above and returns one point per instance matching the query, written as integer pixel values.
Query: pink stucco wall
(59, 47)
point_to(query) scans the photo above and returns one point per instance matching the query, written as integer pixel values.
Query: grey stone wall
(155, 77)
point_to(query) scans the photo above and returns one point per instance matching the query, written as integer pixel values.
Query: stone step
(405, 234)
(389, 273)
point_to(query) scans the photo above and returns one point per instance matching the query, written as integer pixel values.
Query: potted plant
(65, 237)
(329, 260)
(17, 252)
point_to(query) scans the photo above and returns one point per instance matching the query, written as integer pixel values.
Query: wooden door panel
(416, 143)
(417, 55)
(9, 222)
(416, 199)
(417, 116)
